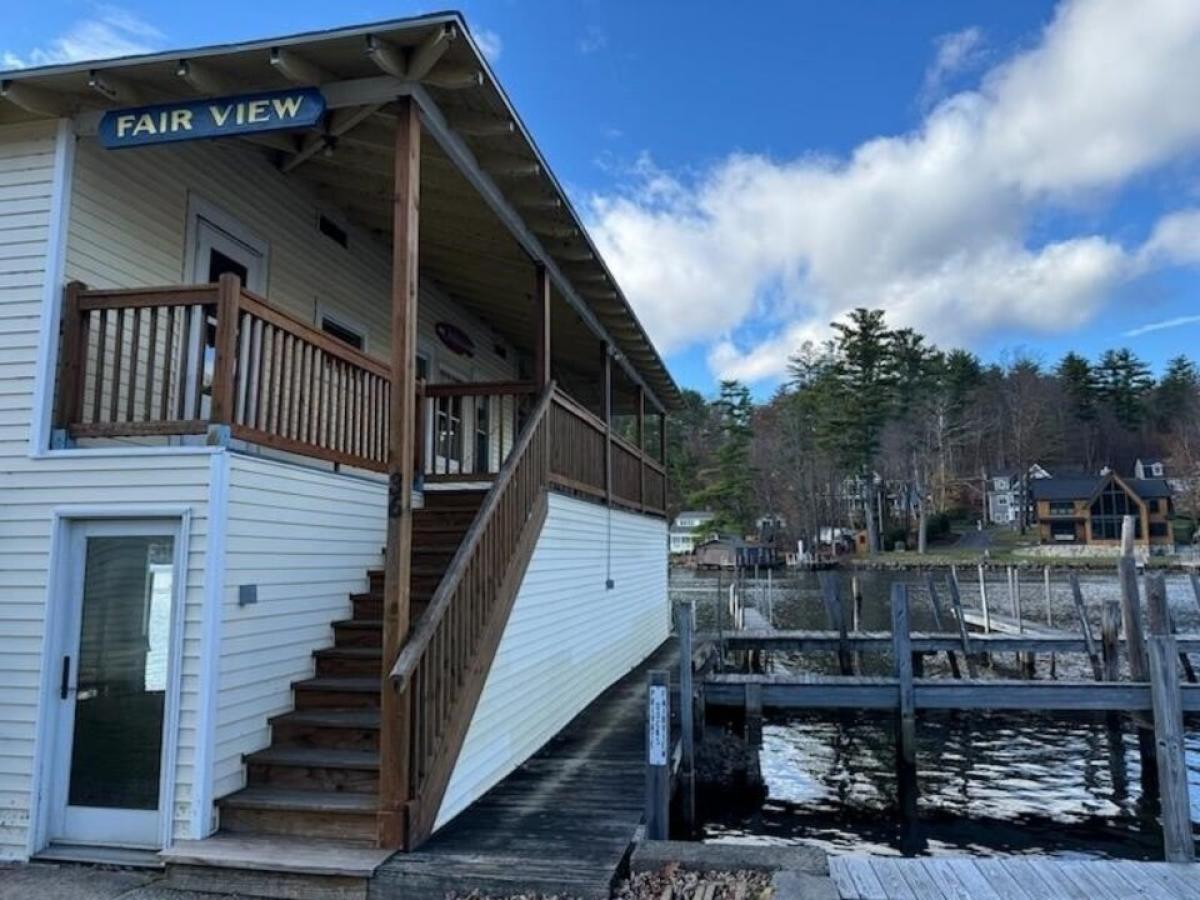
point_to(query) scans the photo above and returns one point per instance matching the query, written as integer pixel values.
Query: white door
(112, 686)
(216, 250)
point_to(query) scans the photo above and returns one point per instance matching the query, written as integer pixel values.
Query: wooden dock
(561, 824)
(1009, 878)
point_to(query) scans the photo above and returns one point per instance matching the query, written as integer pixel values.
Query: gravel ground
(674, 883)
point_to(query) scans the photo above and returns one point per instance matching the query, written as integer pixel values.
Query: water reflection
(986, 783)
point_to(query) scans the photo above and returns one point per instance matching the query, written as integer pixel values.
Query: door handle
(64, 688)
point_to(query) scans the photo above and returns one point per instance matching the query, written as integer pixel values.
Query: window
(1107, 512)
(1062, 507)
(1160, 529)
(340, 326)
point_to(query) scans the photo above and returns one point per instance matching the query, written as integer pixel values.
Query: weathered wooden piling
(1049, 613)
(956, 601)
(936, 605)
(1162, 657)
(1081, 611)
(1131, 613)
(685, 626)
(902, 650)
(831, 595)
(658, 755)
(1110, 630)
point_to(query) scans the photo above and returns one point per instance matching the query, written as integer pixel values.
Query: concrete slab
(791, 885)
(39, 881)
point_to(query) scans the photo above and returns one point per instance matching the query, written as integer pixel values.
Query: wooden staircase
(320, 775)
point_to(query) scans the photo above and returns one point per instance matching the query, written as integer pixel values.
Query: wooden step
(351, 729)
(263, 809)
(344, 692)
(370, 606)
(436, 500)
(358, 633)
(295, 767)
(355, 661)
(273, 866)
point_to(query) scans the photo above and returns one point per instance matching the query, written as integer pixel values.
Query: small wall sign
(455, 338)
(657, 725)
(191, 120)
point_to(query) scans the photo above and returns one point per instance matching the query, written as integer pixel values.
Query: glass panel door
(114, 683)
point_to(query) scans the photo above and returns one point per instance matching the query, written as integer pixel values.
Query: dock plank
(1011, 878)
(561, 823)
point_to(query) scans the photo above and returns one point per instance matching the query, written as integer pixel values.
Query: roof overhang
(432, 58)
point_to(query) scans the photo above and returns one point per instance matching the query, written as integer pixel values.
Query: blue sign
(192, 120)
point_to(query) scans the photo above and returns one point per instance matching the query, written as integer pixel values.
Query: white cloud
(489, 43)
(956, 52)
(753, 254)
(110, 33)
(1163, 325)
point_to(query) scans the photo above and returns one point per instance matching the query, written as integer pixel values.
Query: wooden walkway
(1009, 878)
(562, 823)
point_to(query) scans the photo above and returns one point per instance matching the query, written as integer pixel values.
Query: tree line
(878, 418)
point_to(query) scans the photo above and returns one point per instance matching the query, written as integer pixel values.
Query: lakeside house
(684, 530)
(1089, 509)
(1007, 493)
(272, 307)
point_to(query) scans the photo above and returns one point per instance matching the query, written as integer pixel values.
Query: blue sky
(1003, 176)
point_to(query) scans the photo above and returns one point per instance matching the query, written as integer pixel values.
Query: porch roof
(526, 213)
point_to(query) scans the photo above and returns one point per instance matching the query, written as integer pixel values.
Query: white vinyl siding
(128, 229)
(567, 639)
(306, 539)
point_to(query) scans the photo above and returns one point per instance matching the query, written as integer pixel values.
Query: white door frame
(48, 780)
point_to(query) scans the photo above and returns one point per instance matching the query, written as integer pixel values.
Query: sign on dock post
(658, 755)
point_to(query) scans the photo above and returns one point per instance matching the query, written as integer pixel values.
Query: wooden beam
(541, 318)
(37, 100)
(454, 78)
(554, 229)
(296, 68)
(204, 79)
(395, 705)
(114, 89)
(477, 124)
(426, 55)
(337, 123)
(537, 201)
(507, 165)
(387, 56)
(606, 415)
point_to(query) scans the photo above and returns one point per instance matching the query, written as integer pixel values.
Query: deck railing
(466, 431)
(168, 361)
(444, 661)
(172, 361)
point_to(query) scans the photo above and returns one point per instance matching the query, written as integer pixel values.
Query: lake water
(987, 783)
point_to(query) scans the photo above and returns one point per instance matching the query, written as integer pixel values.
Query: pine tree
(1177, 397)
(729, 490)
(1125, 384)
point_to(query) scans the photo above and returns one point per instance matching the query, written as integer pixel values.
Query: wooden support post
(72, 356)
(902, 651)
(641, 442)
(956, 601)
(1081, 611)
(1110, 630)
(684, 625)
(606, 415)
(856, 603)
(936, 605)
(541, 319)
(754, 714)
(1049, 614)
(229, 292)
(394, 793)
(1168, 726)
(831, 595)
(1131, 607)
(658, 755)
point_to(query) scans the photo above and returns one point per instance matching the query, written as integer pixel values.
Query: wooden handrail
(579, 411)
(257, 305)
(418, 640)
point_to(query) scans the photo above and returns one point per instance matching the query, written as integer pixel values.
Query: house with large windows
(316, 522)
(1090, 509)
